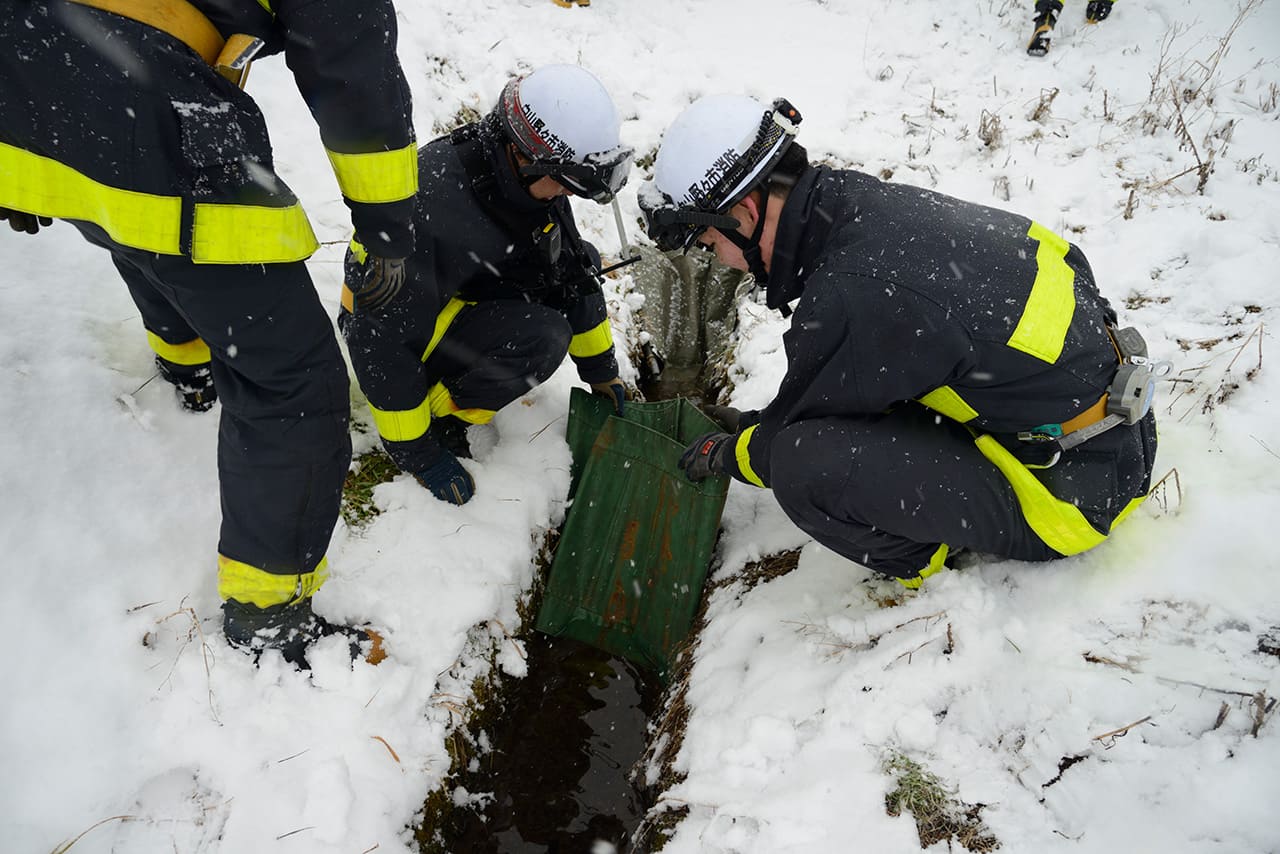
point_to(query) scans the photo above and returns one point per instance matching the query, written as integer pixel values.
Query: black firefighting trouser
(886, 491)
(493, 352)
(283, 444)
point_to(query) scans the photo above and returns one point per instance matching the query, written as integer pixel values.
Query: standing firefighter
(954, 379)
(501, 284)
(126, 120)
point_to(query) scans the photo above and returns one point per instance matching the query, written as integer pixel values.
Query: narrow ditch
(546, 763)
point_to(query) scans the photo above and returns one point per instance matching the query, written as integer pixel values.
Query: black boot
(291, 628)
(1097, 11)
(193, 382)
(1046, 16)
(451, 433)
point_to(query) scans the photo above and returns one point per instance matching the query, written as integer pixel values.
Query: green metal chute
(629, 567)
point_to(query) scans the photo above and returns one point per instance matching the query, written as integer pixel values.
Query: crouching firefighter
(501, 284)
(954, 380)
(128, 121)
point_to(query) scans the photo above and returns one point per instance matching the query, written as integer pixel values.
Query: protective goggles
(672, 227)
(599, 177)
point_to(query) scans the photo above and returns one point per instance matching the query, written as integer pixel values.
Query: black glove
(20, 221)
(726, 416)
(447, 480)
(383, 278)
(614, 390)
(706, 456)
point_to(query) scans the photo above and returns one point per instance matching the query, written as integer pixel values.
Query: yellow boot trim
(260, 588)
(194, 352)
(1059, 524)
(937, 563)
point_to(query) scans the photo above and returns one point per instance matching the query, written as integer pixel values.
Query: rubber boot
(194, 384)
(291, 628)
(1046, 16)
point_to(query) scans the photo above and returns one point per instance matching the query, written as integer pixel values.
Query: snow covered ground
(1111, 702)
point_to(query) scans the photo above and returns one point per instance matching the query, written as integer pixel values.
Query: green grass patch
(938, 813)
(369, 470)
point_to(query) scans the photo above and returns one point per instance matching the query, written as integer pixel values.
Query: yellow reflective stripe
(442, 403)
(358, 250)
(377, 176)
(402, 425)
(946, 401)
(253, 586)
(593, 342)
(1061, 525)
(1042, 329)
(443, 320)
(248, 234)
(1128, 508)
(194, 352)
(936, 564)
(40, 185)
(742, 456)
(266, 4)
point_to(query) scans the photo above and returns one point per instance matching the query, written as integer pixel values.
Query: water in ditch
(571, 730)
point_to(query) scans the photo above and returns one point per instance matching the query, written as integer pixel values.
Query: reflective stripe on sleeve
(377, 177)
(742, 456)
(593, 342)
(252, 586)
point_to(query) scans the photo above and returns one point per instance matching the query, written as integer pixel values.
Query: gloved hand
(20, 221)
(383, 278)
(614, 390)
(447, 480)
(706, 456)
(726, 416)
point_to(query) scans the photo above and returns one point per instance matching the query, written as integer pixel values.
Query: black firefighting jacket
(141, 136)
(907, 294)
(478, 234)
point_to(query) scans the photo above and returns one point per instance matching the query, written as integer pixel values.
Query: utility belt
(229, 57)
(1126, 401)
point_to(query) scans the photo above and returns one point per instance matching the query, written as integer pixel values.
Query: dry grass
(369, 470)
(938, 813)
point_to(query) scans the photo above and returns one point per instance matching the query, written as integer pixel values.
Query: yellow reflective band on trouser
(402, 425)
(593, 342)
(442, 404)
(358, 250)
(1059, 524)
(194, 352)
(377, 177)
(742, 456)
(1042, 329)
(946, 401)
(222, 234)
(253, 586)
(40, 185)
(937, 563)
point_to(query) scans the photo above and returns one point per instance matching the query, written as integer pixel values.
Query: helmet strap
(750, 246)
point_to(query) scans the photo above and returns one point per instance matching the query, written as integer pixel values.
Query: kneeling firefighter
(501, 284)
(954, 381)
(127, 120)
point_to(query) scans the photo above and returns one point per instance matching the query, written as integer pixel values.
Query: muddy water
(558, 769)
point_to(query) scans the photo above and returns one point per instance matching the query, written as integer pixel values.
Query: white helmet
(562, 119)
(716, 151)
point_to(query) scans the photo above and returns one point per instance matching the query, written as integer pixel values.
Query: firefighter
(954, 379)
(501, 284)
(1046, 16)
(126, 120)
